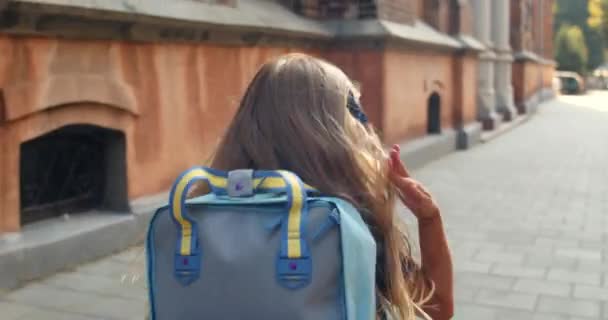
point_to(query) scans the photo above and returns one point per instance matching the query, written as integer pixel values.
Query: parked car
(570, 82)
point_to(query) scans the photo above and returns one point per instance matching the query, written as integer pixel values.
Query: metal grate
(62, 172)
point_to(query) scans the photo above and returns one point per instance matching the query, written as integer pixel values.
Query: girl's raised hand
(411, 192)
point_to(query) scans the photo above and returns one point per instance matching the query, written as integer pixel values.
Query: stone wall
(172, 102)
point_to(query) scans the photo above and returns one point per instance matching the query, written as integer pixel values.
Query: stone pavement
(526, 214)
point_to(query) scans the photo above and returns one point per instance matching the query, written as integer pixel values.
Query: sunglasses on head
(355, 108)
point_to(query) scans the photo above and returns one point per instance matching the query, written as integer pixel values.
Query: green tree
(604, 26)
(595, 44)
(571, 12)
(595, 36)
(570, 49)
(590, 17)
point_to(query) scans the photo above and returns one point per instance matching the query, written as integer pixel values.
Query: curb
(47, 247)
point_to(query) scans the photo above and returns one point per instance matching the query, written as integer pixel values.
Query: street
(526, 215)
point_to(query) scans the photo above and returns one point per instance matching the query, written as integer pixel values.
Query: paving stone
(507, 298)
(135, 255)
(518, 271)
(593, 255)
(571, 307)
(472, 266)
(477, 280)
(590, 292)
(548, 260)
(474, 312)
(464, 294)
(545, 287)
(510, 314)
(44, 296)
(555, 243)
(590, 278)
(111, 308)
(12, 311)
(107, 267)
(485, 255)
(50, 314)
(595, 266)
(100, 285)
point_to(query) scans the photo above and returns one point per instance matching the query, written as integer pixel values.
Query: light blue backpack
(262, 245)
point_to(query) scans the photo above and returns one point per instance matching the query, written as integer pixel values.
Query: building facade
(532, 44)
(104, 102)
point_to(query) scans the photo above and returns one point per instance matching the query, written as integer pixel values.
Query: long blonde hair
(293, 116)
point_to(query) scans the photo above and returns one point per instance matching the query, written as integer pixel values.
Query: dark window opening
(434, 114)
(431, 12)
(73, 169)
(455, 17)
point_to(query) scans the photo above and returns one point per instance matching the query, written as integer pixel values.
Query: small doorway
(434, 114)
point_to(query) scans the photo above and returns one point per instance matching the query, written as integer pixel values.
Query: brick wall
(532, 26)
(462, 17)
(548, 29)
(514, 19)
(536, 44)
(521, 24)
(448, 16)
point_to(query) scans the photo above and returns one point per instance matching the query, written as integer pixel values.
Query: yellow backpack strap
(188, 256)
(294, 264)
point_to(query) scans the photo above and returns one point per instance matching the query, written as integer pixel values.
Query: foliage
(591, 18)
(595, 44)
(571, 12)
(570, 49)
(596, 14)
(604, 23)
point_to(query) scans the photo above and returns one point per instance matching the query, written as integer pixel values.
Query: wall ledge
(252, 22)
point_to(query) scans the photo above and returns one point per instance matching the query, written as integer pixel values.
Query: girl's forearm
(437, 266)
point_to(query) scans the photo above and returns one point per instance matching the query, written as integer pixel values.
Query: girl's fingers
(407, 188)
(399, 167)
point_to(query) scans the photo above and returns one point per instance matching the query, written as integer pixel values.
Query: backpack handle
(293, 259)
(188, 256)
(294, 263)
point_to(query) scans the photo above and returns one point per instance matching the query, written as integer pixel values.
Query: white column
(486, 97)
(504, 59)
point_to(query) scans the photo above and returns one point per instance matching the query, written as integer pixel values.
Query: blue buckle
(187, 268)
(294, 273)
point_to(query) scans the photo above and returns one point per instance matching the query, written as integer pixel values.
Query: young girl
(302, 114)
